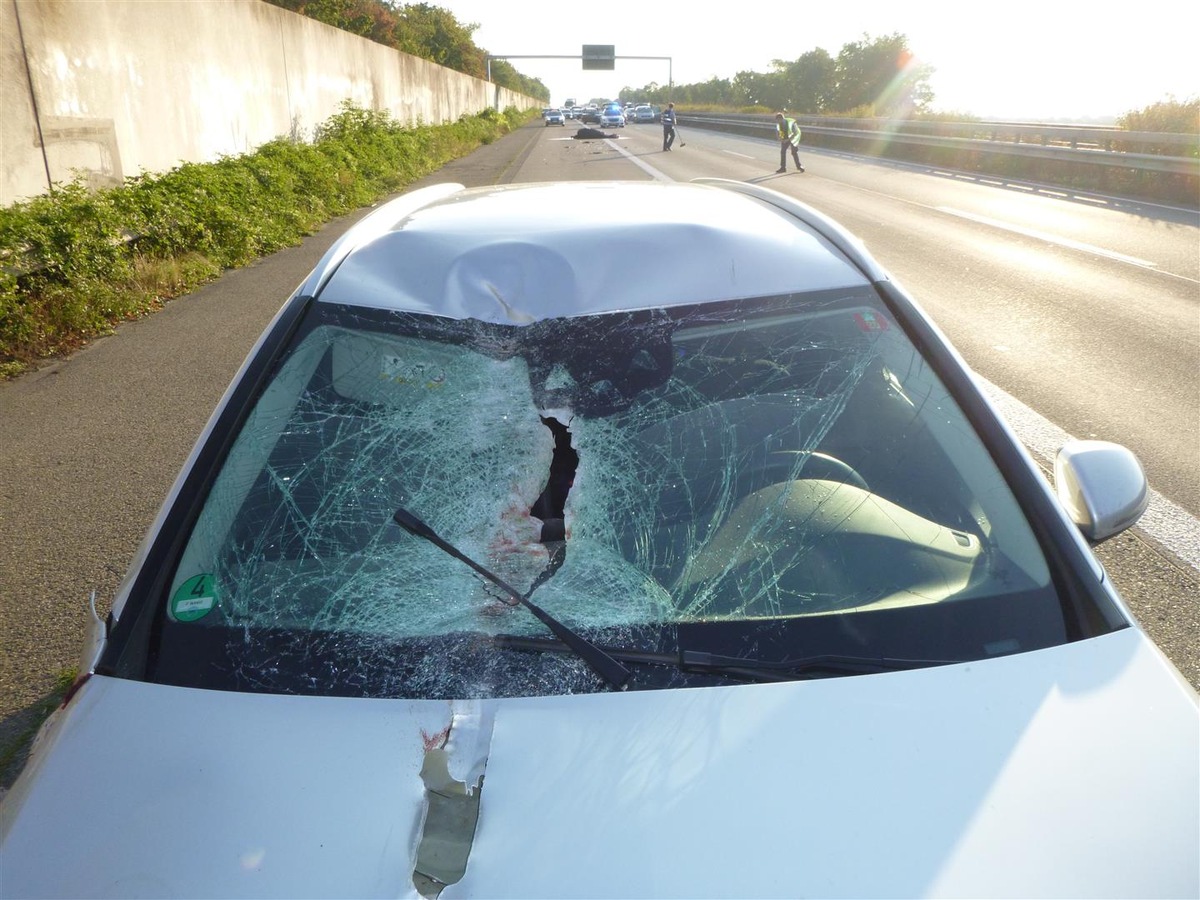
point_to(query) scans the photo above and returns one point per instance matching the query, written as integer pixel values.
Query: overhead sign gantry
(595, 57)
(599, 56)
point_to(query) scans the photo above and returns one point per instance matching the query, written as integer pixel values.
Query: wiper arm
(788, 669)
(747, 669)
(599, 661)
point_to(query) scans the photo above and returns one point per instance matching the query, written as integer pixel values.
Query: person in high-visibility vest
(789, 138)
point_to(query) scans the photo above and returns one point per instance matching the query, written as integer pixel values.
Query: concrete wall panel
(124, 87)
(20, 148)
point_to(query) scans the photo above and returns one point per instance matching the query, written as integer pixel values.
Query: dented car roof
(528, 252)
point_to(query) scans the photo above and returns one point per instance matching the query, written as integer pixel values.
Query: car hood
(1065, 772)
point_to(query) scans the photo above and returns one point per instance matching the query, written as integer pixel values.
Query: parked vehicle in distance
(554, 117)
(645, 113)
(612, 116)
(591, 114)
(491, 578)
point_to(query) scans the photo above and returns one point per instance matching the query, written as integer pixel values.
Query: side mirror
(1102, 486)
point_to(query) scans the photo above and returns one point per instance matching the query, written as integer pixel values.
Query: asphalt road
(1087, 309)
(1099, 345)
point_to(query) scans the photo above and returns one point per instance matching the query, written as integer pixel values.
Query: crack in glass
(734, 463)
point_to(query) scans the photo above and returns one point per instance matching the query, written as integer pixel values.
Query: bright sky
(1023, 59)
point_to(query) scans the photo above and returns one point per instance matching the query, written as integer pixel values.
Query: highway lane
(1087, 311)
(89, 446)
(1081, 314)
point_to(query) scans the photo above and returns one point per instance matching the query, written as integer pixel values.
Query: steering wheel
(783, 465)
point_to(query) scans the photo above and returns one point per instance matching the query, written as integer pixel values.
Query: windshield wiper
(788, 669)
(599, 661)
(747, 669)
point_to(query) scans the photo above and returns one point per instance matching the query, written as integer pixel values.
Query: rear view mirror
(1102, 486)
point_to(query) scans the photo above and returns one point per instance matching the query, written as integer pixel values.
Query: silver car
(612, 117)
(491, 578)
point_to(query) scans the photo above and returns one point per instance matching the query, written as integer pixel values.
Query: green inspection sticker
(194, 599)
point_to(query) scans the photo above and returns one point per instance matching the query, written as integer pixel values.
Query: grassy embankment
(76, 263)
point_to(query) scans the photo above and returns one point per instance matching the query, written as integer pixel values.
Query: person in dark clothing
(668, 124)
(788, 130)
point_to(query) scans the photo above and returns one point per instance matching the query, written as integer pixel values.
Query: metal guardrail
(1062, 143)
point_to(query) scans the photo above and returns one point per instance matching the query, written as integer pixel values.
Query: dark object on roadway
(591, 134)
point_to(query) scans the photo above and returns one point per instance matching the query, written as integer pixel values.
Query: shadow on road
(18, 730)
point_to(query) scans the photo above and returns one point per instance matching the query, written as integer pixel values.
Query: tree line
(418, 29)
(875, 74)
(872, 76)
(869, 77)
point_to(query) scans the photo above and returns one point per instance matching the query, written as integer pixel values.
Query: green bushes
(75, 263)
(1173, 116)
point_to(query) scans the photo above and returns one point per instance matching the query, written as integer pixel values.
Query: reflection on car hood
(525, 254)
(1069, 771)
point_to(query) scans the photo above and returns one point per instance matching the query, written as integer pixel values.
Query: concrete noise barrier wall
(106, 90)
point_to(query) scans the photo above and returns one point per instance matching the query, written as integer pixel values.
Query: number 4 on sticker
(194, 599)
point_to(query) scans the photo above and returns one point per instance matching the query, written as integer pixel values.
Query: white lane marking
(1168, 524)
(1087, 248)
(742, 155)
(1049, 238)
(644, 166)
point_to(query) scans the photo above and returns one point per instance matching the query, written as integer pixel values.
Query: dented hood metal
(1069, 771)
(524, 253)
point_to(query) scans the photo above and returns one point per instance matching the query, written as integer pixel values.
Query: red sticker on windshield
(871, 321)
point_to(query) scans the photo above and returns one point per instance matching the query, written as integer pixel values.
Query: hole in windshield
(550, 506)
(782, 477)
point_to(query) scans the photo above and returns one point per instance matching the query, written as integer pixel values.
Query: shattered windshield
(781, 477)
